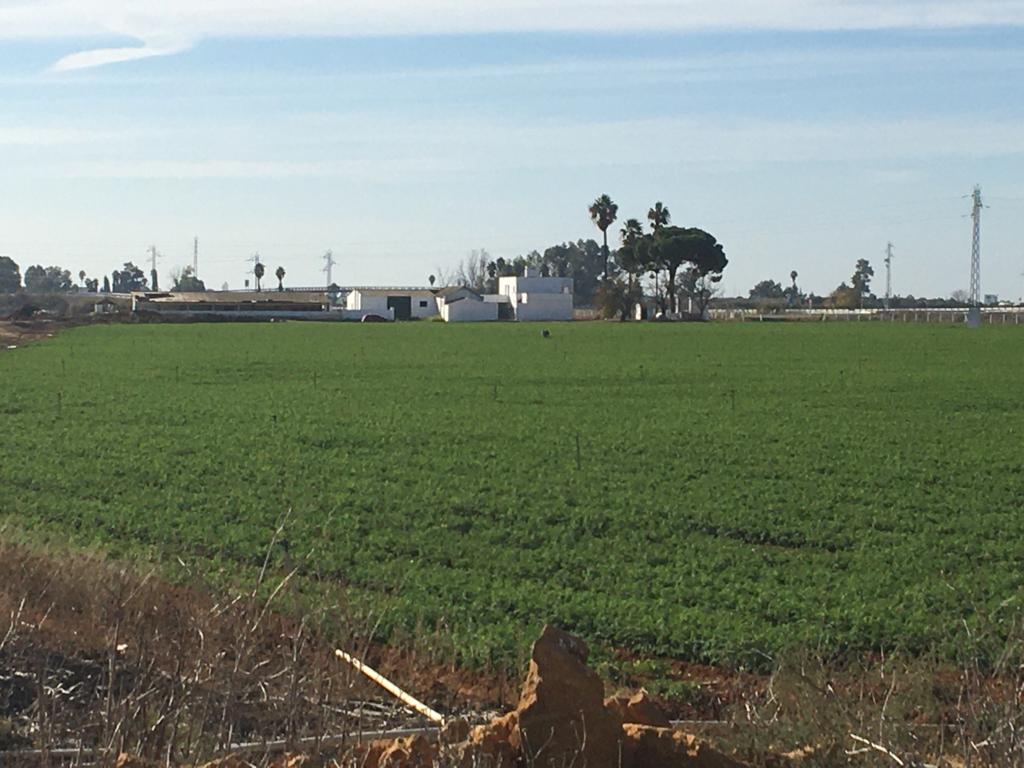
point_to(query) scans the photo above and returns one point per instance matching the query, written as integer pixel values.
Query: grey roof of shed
(394, 291)
(460, 291)
(232, 297)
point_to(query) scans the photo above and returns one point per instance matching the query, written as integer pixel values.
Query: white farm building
(460, 304)
(391, 303)
(538, 298)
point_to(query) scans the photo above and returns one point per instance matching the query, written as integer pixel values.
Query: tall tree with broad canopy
(39, 279)
(603, 213)
(672, 247)
(10, 275)
(767, 289)
(861, 280)
(129, 279)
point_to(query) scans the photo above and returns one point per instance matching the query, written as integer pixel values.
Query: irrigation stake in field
(579, 460)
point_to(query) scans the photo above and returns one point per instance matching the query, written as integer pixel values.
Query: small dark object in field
(546, 333)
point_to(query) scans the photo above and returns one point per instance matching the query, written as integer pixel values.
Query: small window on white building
(423, 303)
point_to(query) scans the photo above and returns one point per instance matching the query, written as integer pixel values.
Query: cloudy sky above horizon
(805, 134)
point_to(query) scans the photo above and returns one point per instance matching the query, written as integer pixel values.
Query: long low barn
(240, 304)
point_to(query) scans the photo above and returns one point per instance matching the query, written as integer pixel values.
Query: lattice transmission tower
(975, 292)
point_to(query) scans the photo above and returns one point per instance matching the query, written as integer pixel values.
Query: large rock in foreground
(561, 719)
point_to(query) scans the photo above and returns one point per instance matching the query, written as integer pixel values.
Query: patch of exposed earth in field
(18, 333)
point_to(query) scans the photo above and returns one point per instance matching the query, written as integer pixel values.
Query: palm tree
(630, 235)
(279, 274)
(659, 216)
(258, 271)
(603, 213)
(631, 232)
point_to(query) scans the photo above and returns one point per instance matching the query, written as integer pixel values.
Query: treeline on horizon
(654, 269)
(53, 279)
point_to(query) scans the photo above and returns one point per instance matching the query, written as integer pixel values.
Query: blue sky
(803, 134)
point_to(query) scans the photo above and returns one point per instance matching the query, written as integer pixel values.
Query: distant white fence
(989, 315)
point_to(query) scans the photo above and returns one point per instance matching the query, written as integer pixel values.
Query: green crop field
(738, 490)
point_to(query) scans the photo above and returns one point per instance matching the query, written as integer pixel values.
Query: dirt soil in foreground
(100, 660)
(17, 334)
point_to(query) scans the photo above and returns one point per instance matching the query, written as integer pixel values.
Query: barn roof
(232, 297)
(394, 291)
(459, 290)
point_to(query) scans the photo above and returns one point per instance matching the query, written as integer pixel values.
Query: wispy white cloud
(194, 20)
(101, 56)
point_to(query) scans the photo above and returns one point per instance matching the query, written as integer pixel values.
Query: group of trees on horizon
(855, 293)
(665, 263)
(53, 279)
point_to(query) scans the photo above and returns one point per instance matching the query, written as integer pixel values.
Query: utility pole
(888, 275)
(974, 313)
(329, 258)
(195, 257)
(153, 256)
(255, 259)
(976, 249)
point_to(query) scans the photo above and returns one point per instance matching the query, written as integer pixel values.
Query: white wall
(377, 303)
(422, 312)
(469, 311)
(509, 286)
(367, 302)
(538, 298)
(544, 306)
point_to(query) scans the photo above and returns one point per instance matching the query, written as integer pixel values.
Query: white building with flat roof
(538, 298)
(391, 303)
